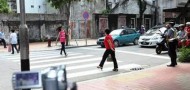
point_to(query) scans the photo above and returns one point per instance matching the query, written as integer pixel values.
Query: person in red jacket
(110, 49)
(62, 39)
(187, 30)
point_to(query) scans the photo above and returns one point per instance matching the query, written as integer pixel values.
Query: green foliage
(106, 11)
(184, 55)
(59, 3)
(4, 6)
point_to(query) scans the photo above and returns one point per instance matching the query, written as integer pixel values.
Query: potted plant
(184, 54)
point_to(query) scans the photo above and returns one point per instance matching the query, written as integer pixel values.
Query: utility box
(55, 78)
(26, 80)
(52, 78)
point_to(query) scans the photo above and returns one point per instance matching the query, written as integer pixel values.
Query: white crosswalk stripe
(77, 64)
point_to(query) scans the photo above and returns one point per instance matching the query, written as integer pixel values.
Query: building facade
(32, 7)
(124, 13)
(171, 10)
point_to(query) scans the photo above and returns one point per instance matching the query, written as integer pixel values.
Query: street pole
(85, 21)
(24, 40)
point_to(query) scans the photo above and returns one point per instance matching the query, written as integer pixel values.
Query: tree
(142, 7)
(64, 8)
(4, 8)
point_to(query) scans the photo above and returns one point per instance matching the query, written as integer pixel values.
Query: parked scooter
(161, 45)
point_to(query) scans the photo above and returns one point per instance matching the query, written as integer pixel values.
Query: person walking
(2, 39)
(142, 29)
(13, 41)
(172, 44)
(62, 40)
(18, 40)
(110, 49)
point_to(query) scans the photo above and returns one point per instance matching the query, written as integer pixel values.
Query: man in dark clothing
(172, 44)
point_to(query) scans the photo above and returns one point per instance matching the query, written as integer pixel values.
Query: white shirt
(1, 35)
(13, 38)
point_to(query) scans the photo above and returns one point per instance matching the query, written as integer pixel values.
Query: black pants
(63, 48)
(172, 52)
(14, 46)
(18, 45)
(105, 55)
(3, 41)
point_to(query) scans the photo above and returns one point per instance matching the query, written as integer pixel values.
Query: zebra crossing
(77, 64)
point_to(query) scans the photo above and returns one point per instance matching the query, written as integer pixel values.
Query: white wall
(36, 6)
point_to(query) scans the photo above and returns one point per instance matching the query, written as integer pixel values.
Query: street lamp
(24, 39)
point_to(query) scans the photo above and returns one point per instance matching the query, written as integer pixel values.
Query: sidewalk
(156, 78)
(44, 45)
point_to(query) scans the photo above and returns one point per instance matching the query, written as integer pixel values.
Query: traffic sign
(85, 15)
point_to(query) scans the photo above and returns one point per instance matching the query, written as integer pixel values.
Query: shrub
(184, 55)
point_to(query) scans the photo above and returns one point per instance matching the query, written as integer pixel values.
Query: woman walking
(13, 41)
(110, 49)
(62, 40)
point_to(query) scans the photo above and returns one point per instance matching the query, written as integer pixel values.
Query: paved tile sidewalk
(157, 78)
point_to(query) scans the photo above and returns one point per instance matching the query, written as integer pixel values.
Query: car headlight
(154, 38)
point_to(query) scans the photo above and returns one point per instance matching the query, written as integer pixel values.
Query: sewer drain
(137, 68)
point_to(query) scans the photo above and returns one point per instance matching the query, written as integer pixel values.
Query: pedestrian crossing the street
(77, 64)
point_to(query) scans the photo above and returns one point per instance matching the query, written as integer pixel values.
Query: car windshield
(116, 32)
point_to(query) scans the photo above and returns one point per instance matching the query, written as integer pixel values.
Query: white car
(151, 37)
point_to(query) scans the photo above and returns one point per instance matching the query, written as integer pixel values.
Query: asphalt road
(131, 55)
(82, 61)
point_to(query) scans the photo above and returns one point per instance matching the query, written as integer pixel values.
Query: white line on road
(61, 59)
(92, 72)
(48, 57)
(65, 63)
(87, 65)
(135, 53)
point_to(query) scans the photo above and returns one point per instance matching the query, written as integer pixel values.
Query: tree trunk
(67, 27)
(142, 8)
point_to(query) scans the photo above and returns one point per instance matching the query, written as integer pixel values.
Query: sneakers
(66, 55)
(99, 67)
(115, 69)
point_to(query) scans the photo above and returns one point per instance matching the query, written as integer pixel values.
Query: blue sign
(85, 15)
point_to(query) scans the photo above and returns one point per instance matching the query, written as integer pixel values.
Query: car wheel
(135, 42)
(102, 46)
(116, 43)
(158, 50)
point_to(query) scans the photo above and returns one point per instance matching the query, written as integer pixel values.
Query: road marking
(64, 63)
(87, 65)
(61, 59)
(128, 52)
(142, 54)
(97, 71)
(46, 57)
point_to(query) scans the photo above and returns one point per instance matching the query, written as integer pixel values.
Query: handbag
(109, 59)
(9, 48)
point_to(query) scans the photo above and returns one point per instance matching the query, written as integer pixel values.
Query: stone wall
(39, 25)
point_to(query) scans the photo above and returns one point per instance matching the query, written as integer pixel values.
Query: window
(132, 23)
(147, 23)
(130, 31)
(124, 32)
(32, 6)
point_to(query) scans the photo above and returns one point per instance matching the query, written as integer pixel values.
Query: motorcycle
(161, 45)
